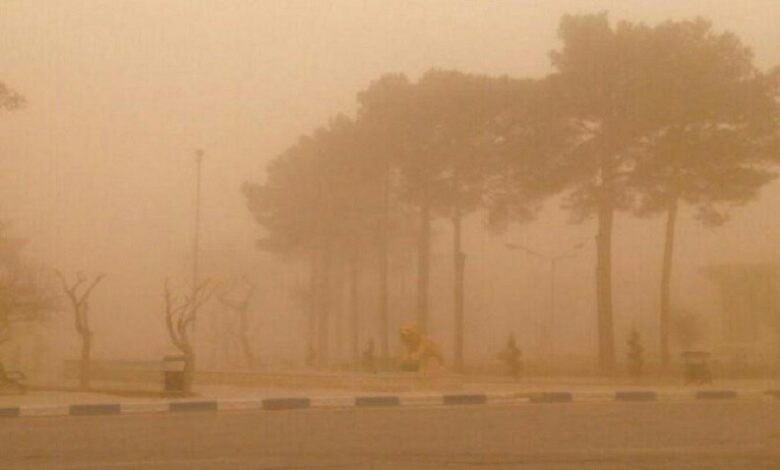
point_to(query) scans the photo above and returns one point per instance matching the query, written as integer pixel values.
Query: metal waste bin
(173, 374)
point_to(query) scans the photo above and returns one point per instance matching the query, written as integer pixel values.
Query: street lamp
(196, 228)
(553, 262)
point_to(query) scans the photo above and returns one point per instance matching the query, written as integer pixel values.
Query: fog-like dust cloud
(98, 171)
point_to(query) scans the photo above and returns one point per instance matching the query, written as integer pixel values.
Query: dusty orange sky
(98, 170)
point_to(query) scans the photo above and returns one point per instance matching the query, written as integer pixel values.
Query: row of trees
(633, 118)
(180, 314)
(21, 299)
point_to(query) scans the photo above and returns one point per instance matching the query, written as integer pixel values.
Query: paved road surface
(690, 435)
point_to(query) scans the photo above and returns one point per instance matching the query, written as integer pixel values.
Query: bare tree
(180, 314)
(241, 307)
(78, 292)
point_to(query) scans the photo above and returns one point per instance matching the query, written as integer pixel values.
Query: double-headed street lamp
(553, 262)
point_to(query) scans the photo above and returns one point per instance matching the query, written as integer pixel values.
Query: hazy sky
(98, 170)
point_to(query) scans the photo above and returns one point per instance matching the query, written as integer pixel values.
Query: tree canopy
(633, 118)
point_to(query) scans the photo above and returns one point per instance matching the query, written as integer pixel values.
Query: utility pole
(196, 235)
(553, 261)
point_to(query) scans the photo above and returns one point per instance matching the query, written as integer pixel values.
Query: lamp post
(196, 234)
(553, 262)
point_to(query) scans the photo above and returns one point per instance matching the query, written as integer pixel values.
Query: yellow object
(419, 349)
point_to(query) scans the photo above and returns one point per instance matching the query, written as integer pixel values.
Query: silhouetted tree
(290, 206)
(10, 100)
(435, 131)
(527, 146)
(718, 120)
(25, 297)
(358, 208)
(322, 198)
(400, 126)
(460, 110)
(180, 313)
(78, 292)
(388, 114)
(602, 80)
(240, 307)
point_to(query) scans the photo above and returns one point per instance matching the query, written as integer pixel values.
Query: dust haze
(98, 175)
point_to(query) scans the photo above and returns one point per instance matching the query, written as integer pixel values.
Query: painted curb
(95, 409)
(378, 400)
(332, 402)
(465, 399)
(189, 406)
(286, 403)
(382, 401)
(636, 395)
(506, 398)
(716, 395)
(551, 397)
(422, 400)
(9, 412)
(148, 407)
(239, 405)
(44, 410)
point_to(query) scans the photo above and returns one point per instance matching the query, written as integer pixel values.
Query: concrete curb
(382, 401)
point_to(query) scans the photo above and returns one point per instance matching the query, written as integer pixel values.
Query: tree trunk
(354, 278)
(423, 264)
(216, 337)
(666, 281)
(384, 300)
(459, 261)
(312, 310)
(246, 347)
(249, 357)
(337, 314)
(606, 340)
(84, 365)
(323, 317)
(384, 266)
(189, 369)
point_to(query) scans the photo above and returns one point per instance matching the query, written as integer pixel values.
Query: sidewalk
(124, 393)
(55, 398)
(596, 384)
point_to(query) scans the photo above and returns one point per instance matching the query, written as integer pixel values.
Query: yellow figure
(419, 350)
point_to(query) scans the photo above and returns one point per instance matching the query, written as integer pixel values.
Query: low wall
(151, 372)
(119, 371)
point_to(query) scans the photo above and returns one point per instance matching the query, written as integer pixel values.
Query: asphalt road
(689, 435)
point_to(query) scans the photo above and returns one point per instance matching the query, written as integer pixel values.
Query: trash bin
(697, 367)
(173, 374)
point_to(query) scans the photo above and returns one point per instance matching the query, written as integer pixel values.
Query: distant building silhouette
(749, 296)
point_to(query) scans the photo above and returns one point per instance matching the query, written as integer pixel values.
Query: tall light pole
(196, 234)
(553, 262)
